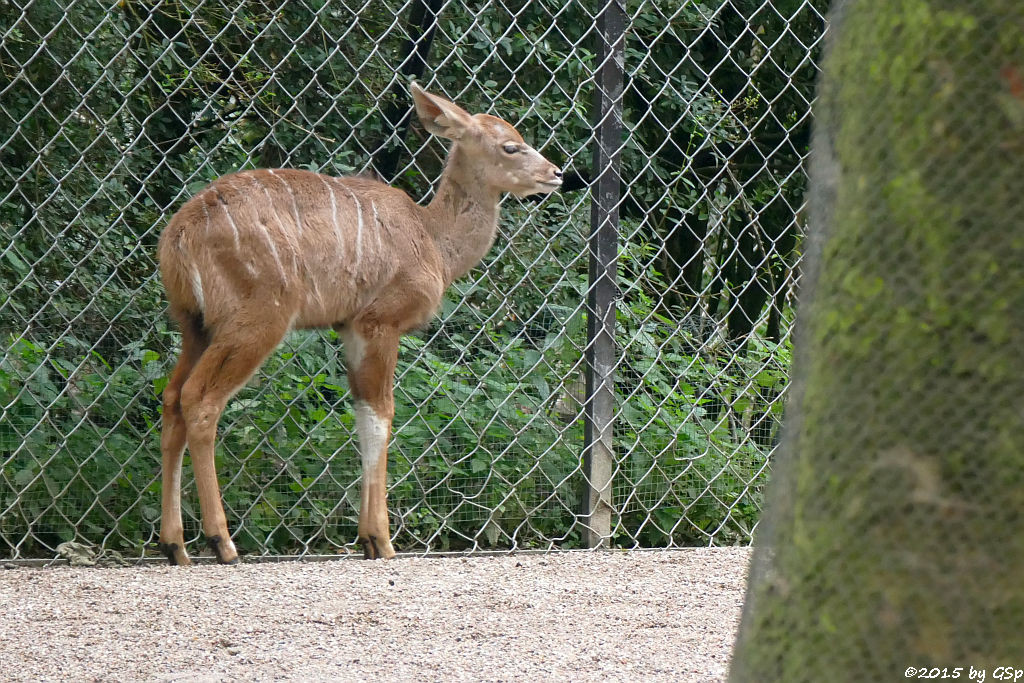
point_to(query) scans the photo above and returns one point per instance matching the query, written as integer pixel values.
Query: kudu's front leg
(371, 353)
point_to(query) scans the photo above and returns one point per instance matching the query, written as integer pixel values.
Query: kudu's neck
(463, 216)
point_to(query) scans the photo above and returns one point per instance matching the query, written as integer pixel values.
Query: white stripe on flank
(266, 233)
(317, 296)
(273, 205)
(273, 252)
(231, 221)
(234, 229)
(376, 225)
(359, 223)
(197, 286)
(292, 237)
(295, 204)
(339, 238)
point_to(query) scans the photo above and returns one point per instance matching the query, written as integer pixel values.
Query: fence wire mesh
(113, 114)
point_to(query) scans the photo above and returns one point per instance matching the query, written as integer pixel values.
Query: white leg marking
(355, 348)
(174, 499)
(228, 546)
(372, 431)
(371, 428)
(176, 484)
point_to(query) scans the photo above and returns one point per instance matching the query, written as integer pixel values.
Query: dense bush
(129, 110)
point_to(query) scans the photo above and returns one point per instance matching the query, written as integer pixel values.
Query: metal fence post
(598, 455)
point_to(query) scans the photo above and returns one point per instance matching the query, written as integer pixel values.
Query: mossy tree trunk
(894, 535)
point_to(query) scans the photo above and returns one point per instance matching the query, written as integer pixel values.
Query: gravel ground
(664, 615)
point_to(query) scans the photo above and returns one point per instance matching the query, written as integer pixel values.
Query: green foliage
(132, 108)
(698, 422)
(70, 442)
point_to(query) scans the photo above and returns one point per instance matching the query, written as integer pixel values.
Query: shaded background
(113, 114)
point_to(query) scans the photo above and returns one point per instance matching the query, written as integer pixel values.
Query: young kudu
(258, 253)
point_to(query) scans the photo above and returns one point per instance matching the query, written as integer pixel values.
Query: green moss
(891, 522)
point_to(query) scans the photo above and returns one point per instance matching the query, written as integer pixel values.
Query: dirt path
(647, 616)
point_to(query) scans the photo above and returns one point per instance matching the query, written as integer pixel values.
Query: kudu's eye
(510, 148)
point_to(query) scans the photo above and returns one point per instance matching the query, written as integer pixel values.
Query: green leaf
(20, 266)
(22, 478)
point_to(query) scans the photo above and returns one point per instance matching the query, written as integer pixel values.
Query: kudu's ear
(439, 116)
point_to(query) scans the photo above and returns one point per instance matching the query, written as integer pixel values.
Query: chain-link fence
(611, 372)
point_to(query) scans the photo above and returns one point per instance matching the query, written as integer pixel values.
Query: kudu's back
(312, 248)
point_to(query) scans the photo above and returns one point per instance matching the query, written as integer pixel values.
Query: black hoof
(214, 543)
(370, 549)
(169, 549)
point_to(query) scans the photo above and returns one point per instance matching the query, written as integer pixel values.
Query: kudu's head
(494, 152)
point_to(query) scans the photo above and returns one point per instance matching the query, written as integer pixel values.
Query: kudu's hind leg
(172, 445)
(371, 353)
(221, 371)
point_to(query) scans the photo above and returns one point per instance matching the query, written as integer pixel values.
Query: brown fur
(260, 252)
